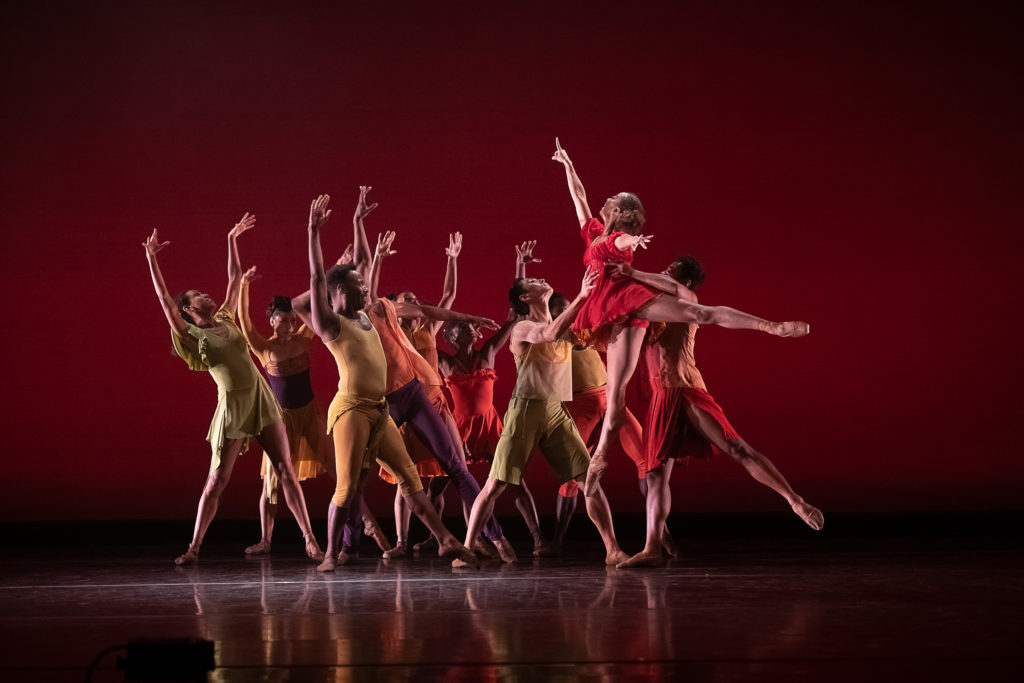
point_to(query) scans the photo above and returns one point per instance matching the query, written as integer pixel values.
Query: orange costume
(587, 408)
(675, 383)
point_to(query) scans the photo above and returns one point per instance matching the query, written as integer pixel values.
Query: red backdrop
(856, 167)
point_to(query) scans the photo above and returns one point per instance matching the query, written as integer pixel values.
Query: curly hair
(450, 331)
(279, 304)
(690, 270)
(631, 215)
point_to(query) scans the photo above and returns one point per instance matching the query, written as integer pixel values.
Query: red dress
(474, 412)
(614, 299)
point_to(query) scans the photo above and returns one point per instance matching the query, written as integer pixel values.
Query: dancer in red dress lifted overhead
(615, 316)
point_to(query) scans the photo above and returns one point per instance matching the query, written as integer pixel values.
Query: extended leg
(208, 502)
(756, 464)
(668, 309)
(274, 440)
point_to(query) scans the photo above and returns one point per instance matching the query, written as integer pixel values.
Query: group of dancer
(423, 414)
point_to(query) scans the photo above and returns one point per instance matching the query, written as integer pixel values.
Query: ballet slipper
(399, 550)
(793, 328)
(261, 548)
(483, 549)
(373, 530)
(615, 557)
(313, 551)
(550, 549)
(463, 556)
(189, 557)
(598, 464)
(811, 515)
(505, 551)
(643, 559)
(328, 565)
(426, 546)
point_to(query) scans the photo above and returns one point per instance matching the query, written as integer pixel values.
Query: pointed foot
(811, 515)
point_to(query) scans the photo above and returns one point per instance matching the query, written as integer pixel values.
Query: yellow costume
(358, 417)
(245, 404)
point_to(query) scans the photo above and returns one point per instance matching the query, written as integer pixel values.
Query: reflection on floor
(796, 609)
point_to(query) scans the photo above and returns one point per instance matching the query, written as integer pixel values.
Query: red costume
(474, 412)
(614, 299)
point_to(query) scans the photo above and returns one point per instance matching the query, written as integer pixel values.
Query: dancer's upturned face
(353, 291)
(201, 303)
(284, 323)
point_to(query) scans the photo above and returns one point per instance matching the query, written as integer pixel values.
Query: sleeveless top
(544, 371)
(670, 361)
(362, 368)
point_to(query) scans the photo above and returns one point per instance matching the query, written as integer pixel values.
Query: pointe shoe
(598, 464)
(188, 557)
(811, 515)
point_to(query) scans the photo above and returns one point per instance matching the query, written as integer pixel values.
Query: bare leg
(668, 309)
(601, 516)
(336, 518)
(623, 352)
(449, 546)
(757, 465)
(668, 544)
(565, 506)
(483, 508)
(528, 509)
(659, 504)
(208, 502)
(373, 530)
(435, 494)
(402, 517)
(268, 513)
(274, 440)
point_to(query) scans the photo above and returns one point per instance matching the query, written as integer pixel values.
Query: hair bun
(279, 304)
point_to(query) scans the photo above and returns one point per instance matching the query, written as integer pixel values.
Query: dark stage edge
(916, 604)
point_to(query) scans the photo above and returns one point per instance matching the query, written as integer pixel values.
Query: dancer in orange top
(684, 420)
(616, 316)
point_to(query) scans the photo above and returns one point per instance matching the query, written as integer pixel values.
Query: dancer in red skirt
(616, 315)
(684, 420)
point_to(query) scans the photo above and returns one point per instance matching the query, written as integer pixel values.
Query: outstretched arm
(257, 342)
(498, 340)
(174, 319)
(247, 222)
(658, 281)
(361, 246)
(325, 321)
(576, 191)
(524, 255)
(407, 310)
(538, 333)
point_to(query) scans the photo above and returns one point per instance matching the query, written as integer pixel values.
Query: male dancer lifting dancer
(536, 416)
(358, 416)
(684, 420)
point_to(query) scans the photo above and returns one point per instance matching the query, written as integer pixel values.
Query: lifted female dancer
(285, 357)
(684, 420)
(616, 316)
(206, 338)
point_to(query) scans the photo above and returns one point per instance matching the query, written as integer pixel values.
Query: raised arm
(325, 321)
(524, 255)
(498, 340)
(247, 222)
(538, 333)
(383, 250)
(301, 302)
(171, 312)
(451, 278)
(663, 283)
(257, 342)
(361, 246)
(576, 191)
